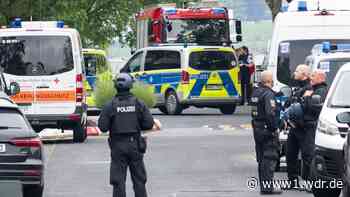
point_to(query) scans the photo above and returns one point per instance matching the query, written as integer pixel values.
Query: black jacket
(312, 112)
(264, 107)
(108, 122)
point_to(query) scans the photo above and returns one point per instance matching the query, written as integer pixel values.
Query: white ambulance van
(46, 59)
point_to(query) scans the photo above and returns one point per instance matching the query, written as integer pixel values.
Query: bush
(105, 91)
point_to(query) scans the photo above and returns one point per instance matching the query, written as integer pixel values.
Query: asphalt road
(199, 154)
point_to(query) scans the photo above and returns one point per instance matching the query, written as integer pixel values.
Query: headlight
(326, 127)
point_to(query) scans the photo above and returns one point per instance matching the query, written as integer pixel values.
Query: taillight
(80, 88)
(27, 142)
(185, 77)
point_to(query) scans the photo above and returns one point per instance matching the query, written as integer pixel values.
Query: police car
(328, 57)
(184, 76)
(45, 58)
(328, 162)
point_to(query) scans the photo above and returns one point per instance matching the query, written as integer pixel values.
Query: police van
(301, 26)
(328, 162)
(95, 61)
(184, 76)
(329, 58)
(46, 59)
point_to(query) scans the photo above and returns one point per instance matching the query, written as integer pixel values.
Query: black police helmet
(123, 82)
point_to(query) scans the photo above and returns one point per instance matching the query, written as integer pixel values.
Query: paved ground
(199, 154)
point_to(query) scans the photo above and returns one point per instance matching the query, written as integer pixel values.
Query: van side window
(134, 64)
(160, 60)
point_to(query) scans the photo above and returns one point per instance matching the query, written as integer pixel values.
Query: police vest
(125, 116)
(258, 104)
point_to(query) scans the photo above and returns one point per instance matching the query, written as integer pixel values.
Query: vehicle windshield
(198, 31)
(94, 63)
(36, 55)
(212, 60)
(331, 67)
(294, 52)
(11, 119)
(340, 97)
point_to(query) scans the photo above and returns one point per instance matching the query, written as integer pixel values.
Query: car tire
(228, 109)
(79, 133)
(326, 192)
(163, 109)
(172, 104)
(33, 191)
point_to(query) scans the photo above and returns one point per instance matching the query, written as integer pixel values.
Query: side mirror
(343, 117)
(286, 91)
(14, 89)
(238, 25)
(316, 100)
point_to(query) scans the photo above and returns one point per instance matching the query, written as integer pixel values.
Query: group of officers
(301, 123)
(125, 117)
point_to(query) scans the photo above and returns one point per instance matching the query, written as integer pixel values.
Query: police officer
(265, 131)
(296, 138)
(125, 117)
(312, 112)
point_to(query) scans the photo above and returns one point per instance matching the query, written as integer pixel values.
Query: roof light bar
(302, 6)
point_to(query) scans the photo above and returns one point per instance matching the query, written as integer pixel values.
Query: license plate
(2, 148)
(214, 87)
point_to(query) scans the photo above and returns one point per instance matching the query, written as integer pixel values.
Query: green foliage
(105, 91)
(98, 21)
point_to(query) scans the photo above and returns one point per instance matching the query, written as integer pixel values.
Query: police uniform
(265, 133)
(125, 117)
(299, 139)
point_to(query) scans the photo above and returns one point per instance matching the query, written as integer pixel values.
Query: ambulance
(184, 76)
(46, 59)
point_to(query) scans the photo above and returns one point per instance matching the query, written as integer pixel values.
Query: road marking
(50, 153)
(246, 126)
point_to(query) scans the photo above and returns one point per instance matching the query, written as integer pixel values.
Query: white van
(297, 31)
(46, 59)
(328, 163)
(329, 58)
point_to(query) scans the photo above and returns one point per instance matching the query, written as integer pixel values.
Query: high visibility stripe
(23, 97)
(53, 96)
(44, 96)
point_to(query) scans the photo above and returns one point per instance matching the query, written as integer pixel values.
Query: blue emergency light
(170, 11)
(17, 23)
(326, 47)
(302, 6)
(60, 24)
(219, 10)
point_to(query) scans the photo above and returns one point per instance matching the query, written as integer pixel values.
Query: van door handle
(42, 87)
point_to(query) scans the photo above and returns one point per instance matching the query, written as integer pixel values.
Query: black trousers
(266, 148)
(246, 90)
(125, 154)
(300, 139)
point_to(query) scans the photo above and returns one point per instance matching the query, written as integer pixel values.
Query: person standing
(296, 137)
(125, 117)
(264, 122)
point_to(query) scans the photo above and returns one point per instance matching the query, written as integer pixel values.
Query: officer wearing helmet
(125, 117)
(265, 115)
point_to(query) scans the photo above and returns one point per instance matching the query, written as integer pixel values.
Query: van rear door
(215, 72)
(43, 66)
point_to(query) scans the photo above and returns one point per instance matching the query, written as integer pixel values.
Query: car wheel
(326, 192)
(33, 191)
(228, 109)
(163, 109)
(79, 133)
(172, 104)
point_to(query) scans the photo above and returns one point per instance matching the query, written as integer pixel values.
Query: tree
(98, 21)
(275, 6)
